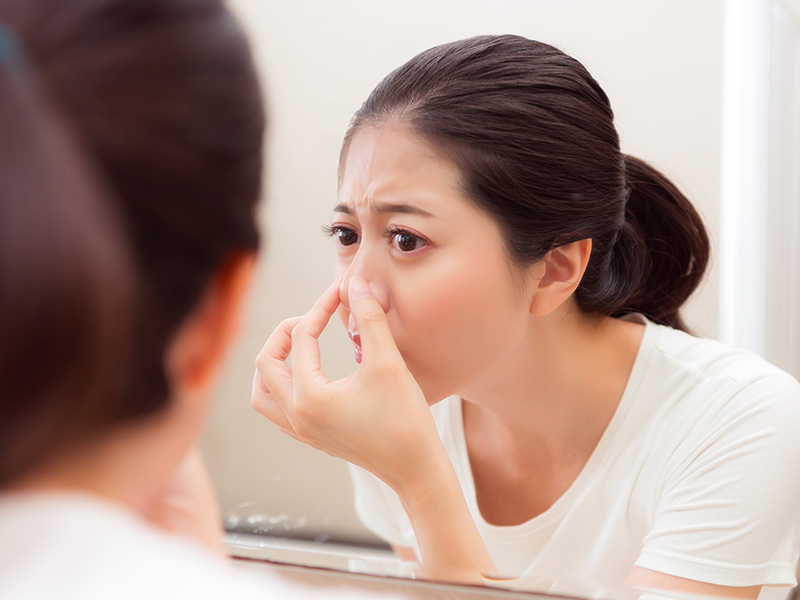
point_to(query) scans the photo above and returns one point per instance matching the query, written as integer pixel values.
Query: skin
(435, 307)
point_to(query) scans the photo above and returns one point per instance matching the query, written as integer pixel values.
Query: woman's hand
(377, 418)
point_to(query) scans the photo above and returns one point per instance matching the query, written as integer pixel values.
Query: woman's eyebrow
(382, 208)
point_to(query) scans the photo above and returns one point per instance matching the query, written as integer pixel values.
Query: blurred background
(686, 95)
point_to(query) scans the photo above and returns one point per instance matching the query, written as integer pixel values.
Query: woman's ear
(561, 271)
(196, 353)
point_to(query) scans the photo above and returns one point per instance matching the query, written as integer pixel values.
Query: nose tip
(379, 291)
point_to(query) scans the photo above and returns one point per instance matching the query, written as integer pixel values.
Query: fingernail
(359, 288)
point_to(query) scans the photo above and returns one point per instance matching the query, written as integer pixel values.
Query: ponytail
(663, 246)
(64, 279)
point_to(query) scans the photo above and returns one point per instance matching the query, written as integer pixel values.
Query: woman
(130, 168)
(516, 271)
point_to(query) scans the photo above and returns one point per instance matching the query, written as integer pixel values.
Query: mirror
(360, 585)
(660, 63)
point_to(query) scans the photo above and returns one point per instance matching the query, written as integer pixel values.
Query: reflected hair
(533, 136)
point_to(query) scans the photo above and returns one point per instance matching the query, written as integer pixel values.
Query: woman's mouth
(356, 339)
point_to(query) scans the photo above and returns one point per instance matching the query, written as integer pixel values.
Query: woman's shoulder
(720, 376)
(103, 550)
(712, 359)
(701, 402)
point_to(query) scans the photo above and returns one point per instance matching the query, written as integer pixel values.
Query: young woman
(130, 165)
(501, 260)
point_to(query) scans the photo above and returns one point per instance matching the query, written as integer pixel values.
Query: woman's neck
(532, 427)
(126, 466)
(560, 387)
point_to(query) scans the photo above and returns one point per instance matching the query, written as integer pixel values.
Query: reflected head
(534, 138)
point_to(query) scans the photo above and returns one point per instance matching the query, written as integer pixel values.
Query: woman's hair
(64, 277)
(130, 169)
(533, 135)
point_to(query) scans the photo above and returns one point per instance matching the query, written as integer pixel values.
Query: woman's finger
(279, 343)
(271, 365)
(265, 403)
(305, 337)
(377, 342)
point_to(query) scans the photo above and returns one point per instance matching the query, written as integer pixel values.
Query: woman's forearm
(450, 546)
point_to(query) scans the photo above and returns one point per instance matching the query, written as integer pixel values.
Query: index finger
(279, 344)
(305, 337)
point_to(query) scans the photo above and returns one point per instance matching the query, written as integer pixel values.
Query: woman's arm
(376, 418)
(652, 581)
(405, 553)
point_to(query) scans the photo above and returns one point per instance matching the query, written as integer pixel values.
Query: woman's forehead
(391, 165)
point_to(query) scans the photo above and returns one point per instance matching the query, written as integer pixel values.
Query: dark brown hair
(533, 135)
(159, 101)
(64, 278)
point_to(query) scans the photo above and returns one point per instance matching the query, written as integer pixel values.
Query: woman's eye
(345, 236)
(407, 241)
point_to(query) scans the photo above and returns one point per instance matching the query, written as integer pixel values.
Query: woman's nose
(375, 281)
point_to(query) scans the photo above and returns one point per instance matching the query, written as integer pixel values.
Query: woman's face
(455, 304)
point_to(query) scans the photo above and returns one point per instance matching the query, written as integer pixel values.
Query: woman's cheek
(420, 315)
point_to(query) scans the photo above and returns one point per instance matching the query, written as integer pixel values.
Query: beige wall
(660, 63)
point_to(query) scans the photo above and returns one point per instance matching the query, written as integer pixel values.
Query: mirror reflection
(667, 108)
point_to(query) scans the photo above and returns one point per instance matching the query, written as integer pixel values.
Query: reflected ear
(561, 271)
(201, 343)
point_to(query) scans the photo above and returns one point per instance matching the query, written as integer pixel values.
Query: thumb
(377, 343)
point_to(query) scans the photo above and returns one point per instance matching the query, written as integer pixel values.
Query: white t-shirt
(74, 546)
(697, 475)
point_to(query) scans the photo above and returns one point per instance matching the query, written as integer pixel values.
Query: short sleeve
(729, 510)
(380, 510)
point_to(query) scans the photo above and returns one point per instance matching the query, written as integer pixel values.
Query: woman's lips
(356, 339)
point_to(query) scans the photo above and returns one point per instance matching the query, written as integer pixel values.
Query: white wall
(659, 61)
